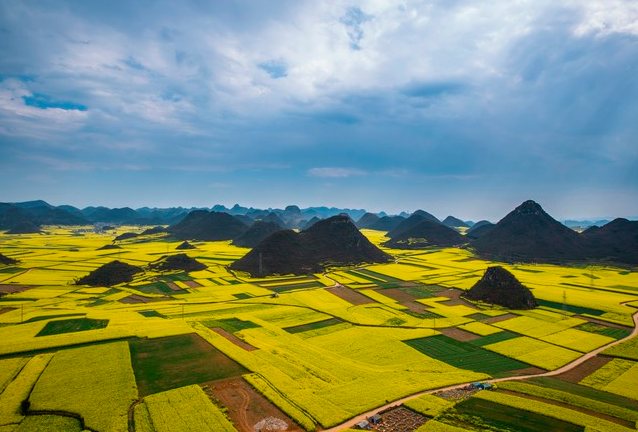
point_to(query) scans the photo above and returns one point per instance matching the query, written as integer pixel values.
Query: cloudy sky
(456, 107)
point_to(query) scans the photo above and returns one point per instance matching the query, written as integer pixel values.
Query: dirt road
(567, 367)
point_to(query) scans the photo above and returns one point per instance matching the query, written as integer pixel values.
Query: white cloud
(605, 17)
(212, 65)
(333, 172)
(21, 120)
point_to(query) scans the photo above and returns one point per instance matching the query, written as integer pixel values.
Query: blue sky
(455, 107)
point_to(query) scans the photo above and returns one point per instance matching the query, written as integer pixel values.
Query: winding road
(353, 421)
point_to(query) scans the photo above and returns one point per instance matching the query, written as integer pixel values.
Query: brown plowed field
(10, 289)
(458, 334)
(134, 299)
(245, 406)
(499, 318)
(234, 339)
(349, 295)
(587, 368)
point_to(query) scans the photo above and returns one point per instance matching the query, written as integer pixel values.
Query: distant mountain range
(38, 213)
(527, 233)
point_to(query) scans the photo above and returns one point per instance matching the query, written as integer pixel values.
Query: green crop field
(175, 361)
(313, 326)
(70, 326)
(464, 355)
(487, 415)
(133, 355)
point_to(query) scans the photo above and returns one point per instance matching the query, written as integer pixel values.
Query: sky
(455, 107)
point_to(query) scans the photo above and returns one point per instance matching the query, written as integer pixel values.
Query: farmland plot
(75, 380)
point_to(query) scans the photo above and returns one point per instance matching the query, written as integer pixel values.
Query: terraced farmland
(320, 356)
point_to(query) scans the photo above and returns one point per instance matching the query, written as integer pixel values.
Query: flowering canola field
(321, 355)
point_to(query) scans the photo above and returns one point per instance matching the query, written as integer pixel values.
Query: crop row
(18, 389)
(608, 373)
(96, 382)
(436, 426)
(429, 405)
(554, 411)
(623, 384)
(571, 399)
(185, 409)
(464, 355)
(534, 352)
(9, 368)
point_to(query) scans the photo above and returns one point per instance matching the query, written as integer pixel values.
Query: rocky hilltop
(614, 241)
(26, 227)
(259, 231)
(424, 234)
(529, 234)
(367, 220)
(177, 262)
(454, 222)
(500, 287)
(185, 245)
(386, 223)
(335, 241)
(113, 273)
(207, 226)
(406, 225)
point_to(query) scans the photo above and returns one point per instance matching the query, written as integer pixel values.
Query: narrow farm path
(567, 367)
(243, 417)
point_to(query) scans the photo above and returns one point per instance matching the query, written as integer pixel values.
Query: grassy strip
(571, 399)
(72, 326)
(587, 392)
(552, 411)
(570, 308)
(493, 338)
(613, 332)
(485, 415)
(464, 355)
(151, 314)
(384, 277)
(231, 325)
(290, 287)
(422, 291)
(313, 326)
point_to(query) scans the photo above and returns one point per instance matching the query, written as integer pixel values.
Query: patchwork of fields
(139, 356)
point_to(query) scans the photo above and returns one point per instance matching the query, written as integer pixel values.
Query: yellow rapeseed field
(348, 358)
